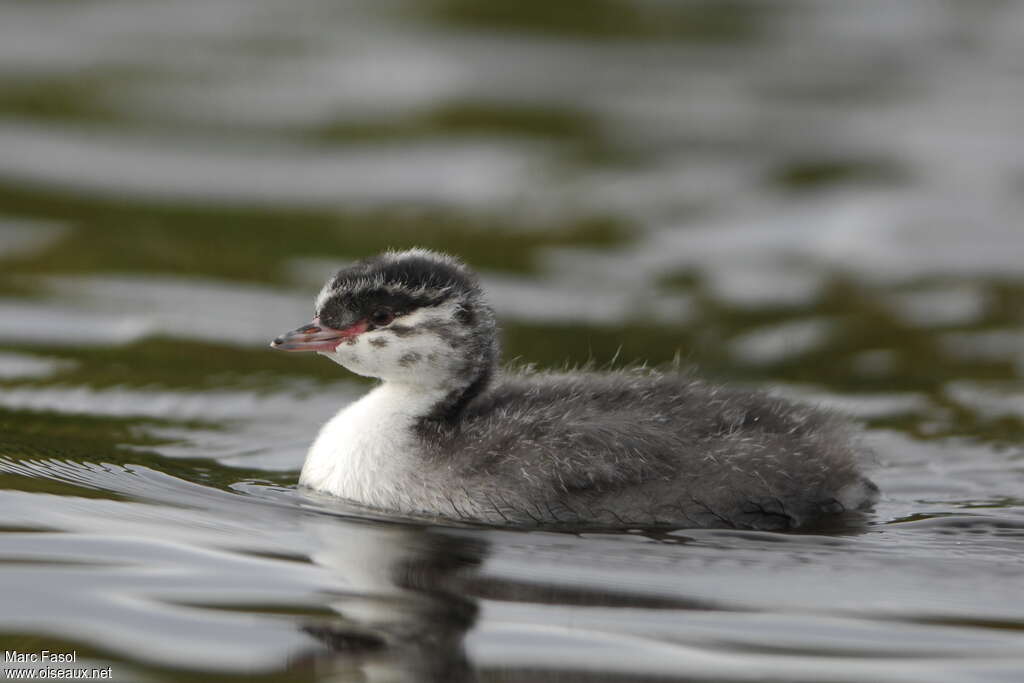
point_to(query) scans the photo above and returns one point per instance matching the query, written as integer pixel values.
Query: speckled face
(413, 317)
(422, 346)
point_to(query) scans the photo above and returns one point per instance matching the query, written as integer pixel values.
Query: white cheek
(422, 358)
(415, 356)
(355, 357)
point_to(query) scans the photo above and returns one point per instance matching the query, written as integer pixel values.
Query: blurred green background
(788, 192)
(824, 198)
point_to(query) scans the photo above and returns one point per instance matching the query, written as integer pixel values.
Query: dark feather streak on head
(399, 283)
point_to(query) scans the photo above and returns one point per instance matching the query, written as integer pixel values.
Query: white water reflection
(872, 141)
(398, 601)
(946, 120)
(25, 366)
(20, 236)
(783, 341)
(465, 173)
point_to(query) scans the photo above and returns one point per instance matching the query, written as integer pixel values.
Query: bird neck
(448, 410)
(440, 406)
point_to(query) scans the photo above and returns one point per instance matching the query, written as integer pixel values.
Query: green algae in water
(696, 21)
(254, 244)
(41, 437)
(462, 118)
(32, 443)
(812, 175)
(55, 431)
(179, 364)
(80, 98)
(579, 136)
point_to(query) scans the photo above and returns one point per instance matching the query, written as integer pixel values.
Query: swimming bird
(447, 433)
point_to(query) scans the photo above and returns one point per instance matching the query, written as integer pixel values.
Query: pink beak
(317, 337)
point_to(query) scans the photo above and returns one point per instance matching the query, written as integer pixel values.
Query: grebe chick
(445, 433)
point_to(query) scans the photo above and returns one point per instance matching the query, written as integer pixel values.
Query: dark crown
(399, 281)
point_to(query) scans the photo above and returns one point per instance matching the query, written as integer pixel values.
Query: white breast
(367, 452)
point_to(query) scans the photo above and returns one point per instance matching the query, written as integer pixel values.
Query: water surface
(822, 199)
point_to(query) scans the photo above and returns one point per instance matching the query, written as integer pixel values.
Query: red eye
(382, 317)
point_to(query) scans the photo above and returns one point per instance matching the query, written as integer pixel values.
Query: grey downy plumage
(447, 433)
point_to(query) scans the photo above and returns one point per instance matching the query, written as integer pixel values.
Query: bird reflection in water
(409, 594)
(401, 613)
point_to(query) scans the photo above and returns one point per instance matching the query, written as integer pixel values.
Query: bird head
(415, 316)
